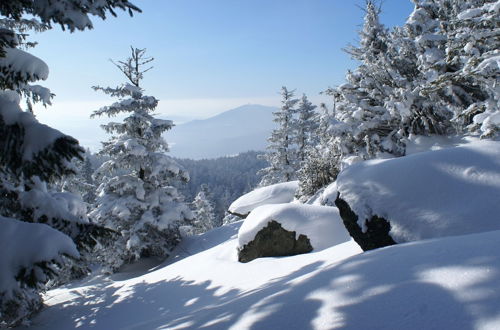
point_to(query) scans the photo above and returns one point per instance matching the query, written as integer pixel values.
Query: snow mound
(321, 224)
(273, 194)
(438, 193)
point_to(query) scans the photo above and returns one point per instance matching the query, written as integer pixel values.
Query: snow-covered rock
(274, 241)
(446, 192)
(320, 224)
(273, 194)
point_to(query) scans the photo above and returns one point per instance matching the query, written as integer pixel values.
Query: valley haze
(229, 133)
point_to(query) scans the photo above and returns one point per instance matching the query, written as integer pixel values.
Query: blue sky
(210, 55)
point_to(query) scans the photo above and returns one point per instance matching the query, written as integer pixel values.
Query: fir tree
(469, 85)
(321, 164)
(365, 125)
(306, 125)
(137, 196)
(282, 156)
(204, 217)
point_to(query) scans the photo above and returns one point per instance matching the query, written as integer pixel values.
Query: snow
(59, 205)
(448, 283)
(446, 192)
(321, 224)
(470, 13)
(36, 136)
(24, 244)
(490, 66)
(273, 194)
(25, 65)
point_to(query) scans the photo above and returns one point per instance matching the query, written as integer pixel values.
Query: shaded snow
(446, 192)
(321, 224)
(273, 194)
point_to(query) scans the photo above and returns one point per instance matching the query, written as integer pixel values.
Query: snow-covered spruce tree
(204, 217)
(32, 154)
(137, 196)
(306, 126)
(469, 84)
(282, 155)
(422, 109)
(82, 182)
(363, 126)
(22, 29)
(320, 166)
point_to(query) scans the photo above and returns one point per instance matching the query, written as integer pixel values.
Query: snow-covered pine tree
(204, 217)
(82, 183)
(306, 126)
(365, 126)
(281, 155)
(22, 29)
(30, 155)
(469, 85)
(137, 196)
(421, 107)
(320, 166)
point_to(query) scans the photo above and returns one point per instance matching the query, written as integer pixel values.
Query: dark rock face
(274, 241)
(377, 233)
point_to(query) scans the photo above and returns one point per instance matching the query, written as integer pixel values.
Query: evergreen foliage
(137, 196)
(32, 155)
(436, 75)
(227, 177)
(321, 164)
(204, 217)
(282, 154)
(307, 126)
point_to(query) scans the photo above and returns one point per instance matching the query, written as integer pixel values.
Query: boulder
(274, 241)
(437, 193)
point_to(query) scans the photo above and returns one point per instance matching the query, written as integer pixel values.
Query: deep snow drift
(449, 283)
(452, 191)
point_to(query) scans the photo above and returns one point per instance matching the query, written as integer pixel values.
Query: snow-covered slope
(450, 283)
(234, 131)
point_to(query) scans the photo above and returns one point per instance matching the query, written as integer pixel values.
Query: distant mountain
(229, 133)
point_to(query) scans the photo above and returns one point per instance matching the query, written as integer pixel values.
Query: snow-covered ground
(448, 283)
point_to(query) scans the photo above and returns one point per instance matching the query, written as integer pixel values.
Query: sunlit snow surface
(273, 194)
(449, 283)
(451, 191)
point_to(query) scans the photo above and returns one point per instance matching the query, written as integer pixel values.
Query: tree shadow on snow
(390, 288)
